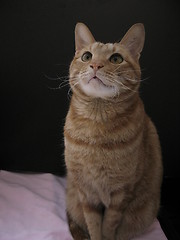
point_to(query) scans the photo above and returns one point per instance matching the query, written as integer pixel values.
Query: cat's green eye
(116, 58)
(86, 57)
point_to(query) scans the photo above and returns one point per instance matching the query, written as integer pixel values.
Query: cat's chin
(96, 88)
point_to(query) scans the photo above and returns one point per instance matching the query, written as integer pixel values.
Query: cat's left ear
(134, 40)
(83, 36)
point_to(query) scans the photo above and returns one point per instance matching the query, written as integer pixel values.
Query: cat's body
(112, 150)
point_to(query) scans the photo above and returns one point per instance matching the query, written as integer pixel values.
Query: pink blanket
(32, 207)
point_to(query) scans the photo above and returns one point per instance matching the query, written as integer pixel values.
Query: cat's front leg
(93, 218)
(112, 219)
(113, 216)
(94, 222)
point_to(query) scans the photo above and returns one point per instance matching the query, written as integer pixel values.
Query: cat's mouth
(97, 86)
(95, 78)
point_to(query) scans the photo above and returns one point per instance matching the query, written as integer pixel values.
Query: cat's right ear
(134, 39)
(83, 36)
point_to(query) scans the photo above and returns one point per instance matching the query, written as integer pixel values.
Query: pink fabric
(32, 207)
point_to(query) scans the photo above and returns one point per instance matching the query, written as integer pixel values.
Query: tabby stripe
(105, 145)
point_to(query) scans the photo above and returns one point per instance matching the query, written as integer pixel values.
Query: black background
(37, 40)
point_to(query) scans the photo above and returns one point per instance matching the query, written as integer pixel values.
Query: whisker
(64, 81)
(71, 88)
(127, 88)
(51, 78)
(63, 84)
(68, 93)
(115, 80)
(55, 78)
(125, 71)
(113, 75)
(135, 80)
(145, 79)
(53, 88)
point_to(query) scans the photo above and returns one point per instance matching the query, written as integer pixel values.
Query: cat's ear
(134, 39)
(83, 36)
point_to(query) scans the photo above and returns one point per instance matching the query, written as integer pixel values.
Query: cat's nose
(96, 66)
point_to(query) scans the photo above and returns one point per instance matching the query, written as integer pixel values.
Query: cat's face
(106, 70)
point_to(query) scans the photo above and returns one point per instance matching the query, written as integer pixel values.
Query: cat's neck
(101, 110)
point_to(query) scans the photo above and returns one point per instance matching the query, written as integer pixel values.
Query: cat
(112, 150)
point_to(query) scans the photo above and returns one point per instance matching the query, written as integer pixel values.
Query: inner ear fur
(134, 39)
(83, 36)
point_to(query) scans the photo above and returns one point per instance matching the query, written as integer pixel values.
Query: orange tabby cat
(112, 150)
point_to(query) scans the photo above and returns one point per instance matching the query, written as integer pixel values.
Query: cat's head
(106, 70)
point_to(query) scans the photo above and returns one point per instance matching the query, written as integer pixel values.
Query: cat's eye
(116, 58)
(86, 57)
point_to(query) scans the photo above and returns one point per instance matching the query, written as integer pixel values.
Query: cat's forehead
(102, 48)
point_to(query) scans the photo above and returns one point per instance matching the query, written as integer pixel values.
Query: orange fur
(112, 150)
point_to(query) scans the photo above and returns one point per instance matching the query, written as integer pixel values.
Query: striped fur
(112, 150)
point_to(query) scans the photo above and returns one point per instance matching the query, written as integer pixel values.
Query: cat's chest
(98, 183)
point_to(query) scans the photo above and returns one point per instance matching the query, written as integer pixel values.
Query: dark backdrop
(37, 40)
